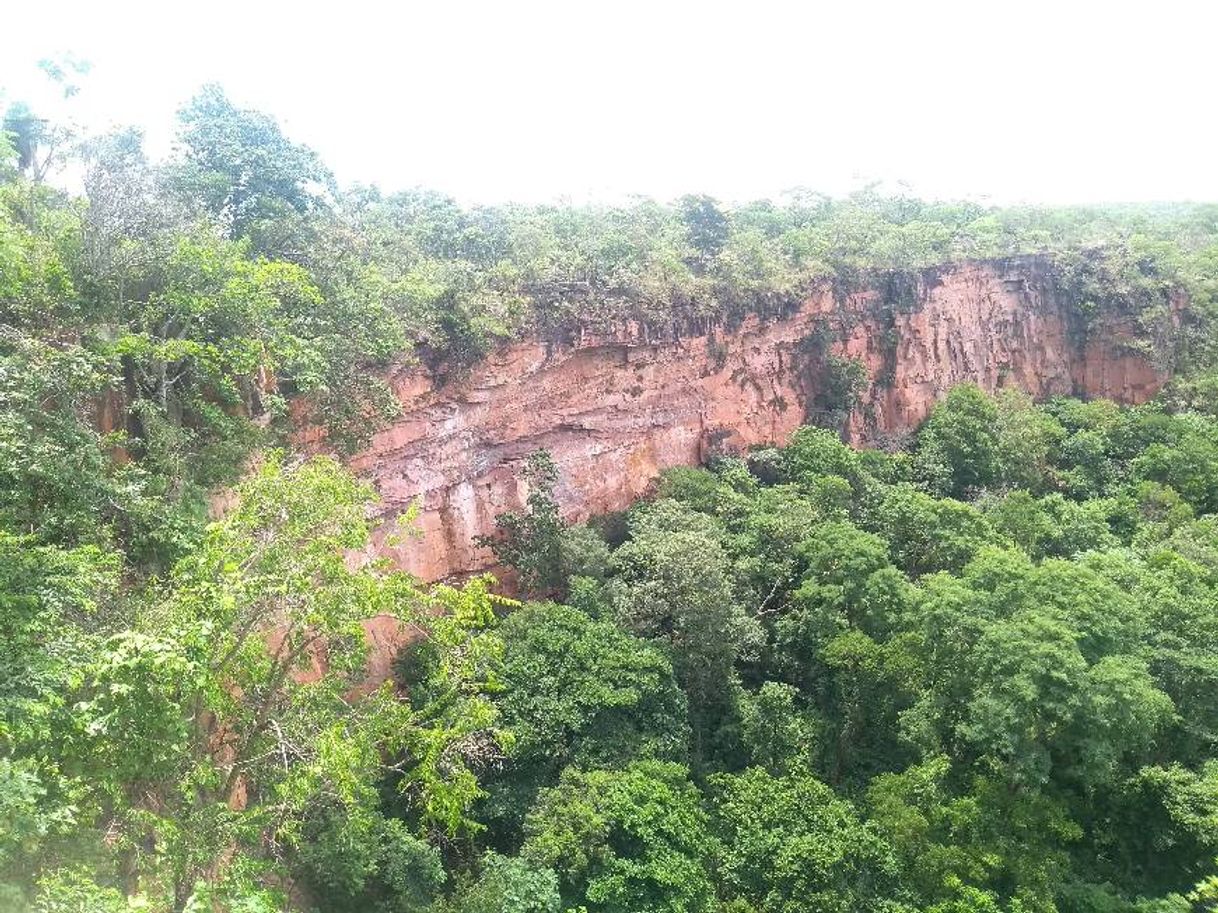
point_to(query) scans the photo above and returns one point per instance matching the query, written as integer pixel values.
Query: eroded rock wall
(616, 409)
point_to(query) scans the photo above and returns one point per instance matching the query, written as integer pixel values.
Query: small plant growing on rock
(530, 541)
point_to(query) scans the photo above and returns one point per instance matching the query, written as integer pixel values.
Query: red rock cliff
(614, 410)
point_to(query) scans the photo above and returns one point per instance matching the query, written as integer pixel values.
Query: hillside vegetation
(979, 674)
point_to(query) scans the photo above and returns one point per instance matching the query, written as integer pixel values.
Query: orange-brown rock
(615, 409)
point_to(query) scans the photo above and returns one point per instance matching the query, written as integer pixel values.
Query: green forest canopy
(978, 674)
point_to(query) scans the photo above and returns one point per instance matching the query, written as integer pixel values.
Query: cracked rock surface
(614, 409)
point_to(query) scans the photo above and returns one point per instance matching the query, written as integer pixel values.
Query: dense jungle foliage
(977, 674)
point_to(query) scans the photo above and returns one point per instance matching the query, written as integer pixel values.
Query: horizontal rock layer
(615, 409)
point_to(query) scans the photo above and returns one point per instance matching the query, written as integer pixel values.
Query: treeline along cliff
(616, 405)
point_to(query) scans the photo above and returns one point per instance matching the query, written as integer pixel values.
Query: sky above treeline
(1054, 102)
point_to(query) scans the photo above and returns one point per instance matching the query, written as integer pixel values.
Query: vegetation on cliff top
(206, 288)
(976, 675)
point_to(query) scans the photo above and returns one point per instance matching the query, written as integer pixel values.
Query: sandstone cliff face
(614, 410)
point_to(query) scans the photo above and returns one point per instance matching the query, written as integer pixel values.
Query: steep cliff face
(616, 409)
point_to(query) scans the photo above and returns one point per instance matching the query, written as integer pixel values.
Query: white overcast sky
(1060, 101)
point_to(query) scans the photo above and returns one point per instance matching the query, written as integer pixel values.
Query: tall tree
(245, 170)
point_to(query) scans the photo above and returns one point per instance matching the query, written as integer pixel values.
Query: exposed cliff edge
(615, 409)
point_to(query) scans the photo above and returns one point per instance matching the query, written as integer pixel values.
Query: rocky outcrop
(616, 408)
